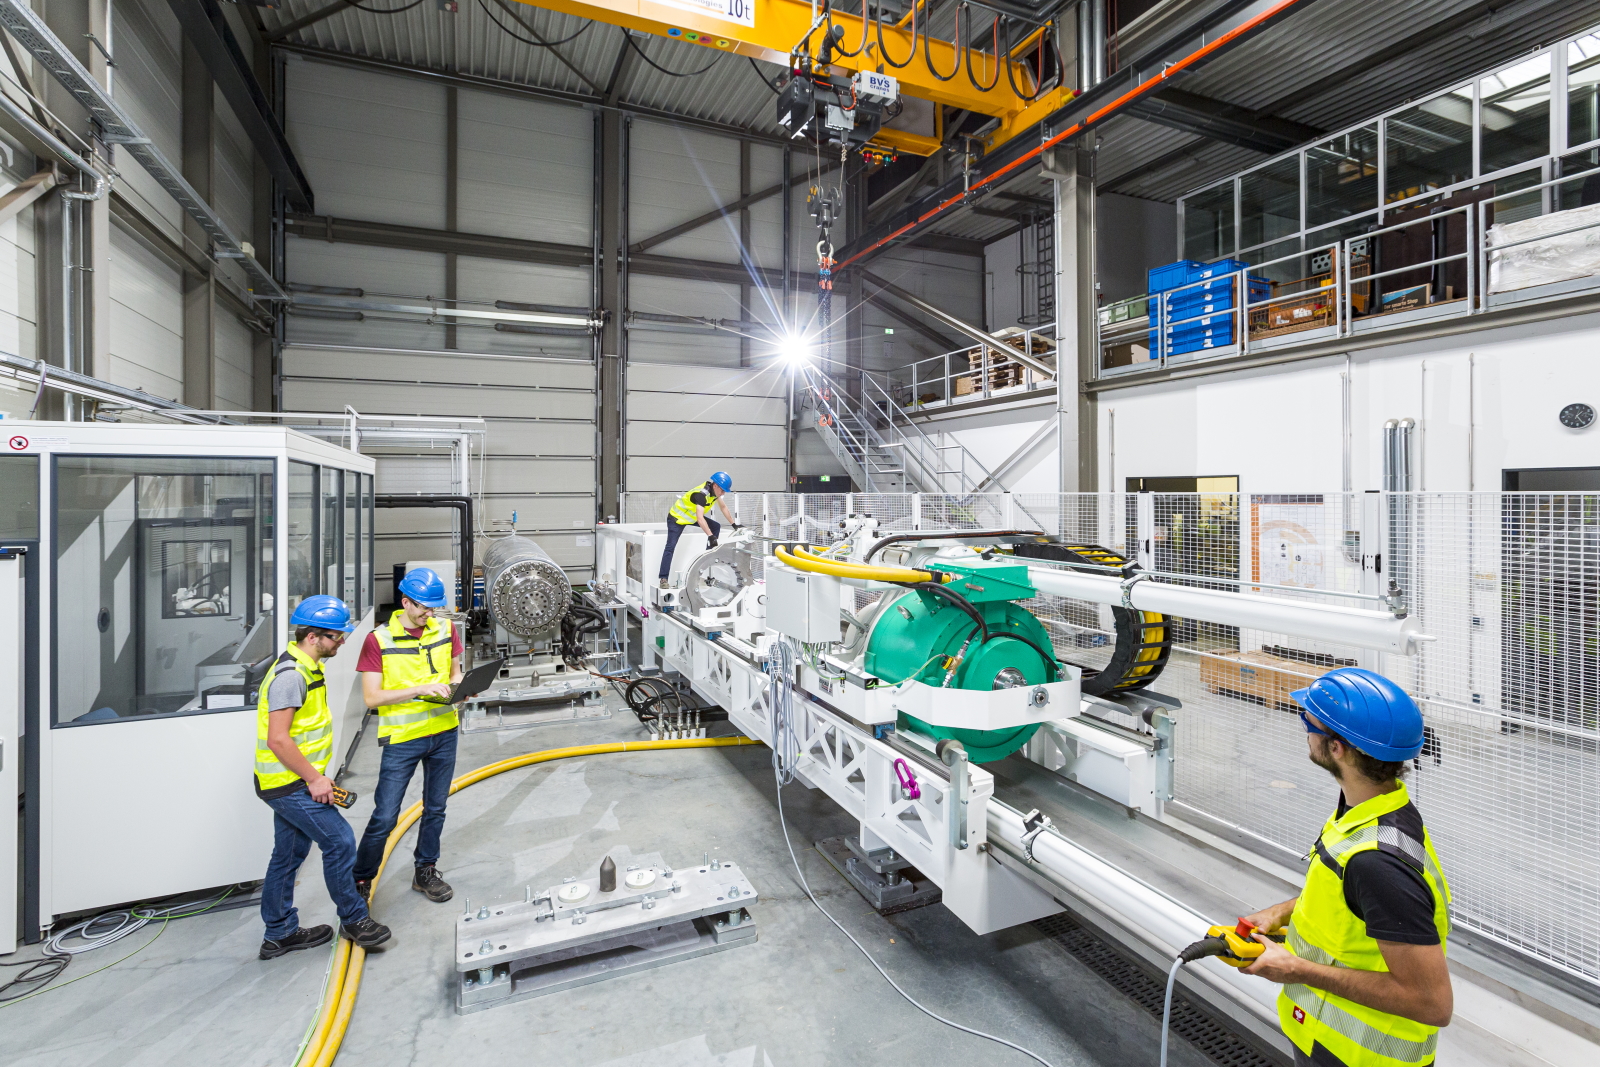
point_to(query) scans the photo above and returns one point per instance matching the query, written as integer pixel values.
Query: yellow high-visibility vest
(1324, 930)
(311, 729)
(409, 661)
(683, 511)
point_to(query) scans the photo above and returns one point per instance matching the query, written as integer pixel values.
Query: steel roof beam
(208, 31)
(1219, 121)
(308, 20)
(118, 128)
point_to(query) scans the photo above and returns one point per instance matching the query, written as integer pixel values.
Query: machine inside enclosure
(1492, 629)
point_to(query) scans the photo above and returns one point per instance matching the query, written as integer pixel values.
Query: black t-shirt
(702, 498)
(1390, 896)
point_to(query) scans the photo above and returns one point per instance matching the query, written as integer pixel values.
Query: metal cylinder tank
(528, 592)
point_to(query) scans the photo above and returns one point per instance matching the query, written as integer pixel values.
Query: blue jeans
(437, 754)
(297, 820)
(674, 531)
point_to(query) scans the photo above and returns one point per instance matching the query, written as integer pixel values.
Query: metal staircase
(880, 447)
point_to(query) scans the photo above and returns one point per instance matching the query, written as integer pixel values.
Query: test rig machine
(885, 670)
(147, 573)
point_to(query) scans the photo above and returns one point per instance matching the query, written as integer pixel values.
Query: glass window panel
(160, 603)
(1580, 191)
(1515, 109)
(368, 541)
(1429, 146)
(302, 534)
(1208, 224)
(19, 497)
(1342, 176)
(352, 530)
(330, 532)
(1269, 202)
(1515, 208)
(1583, 90)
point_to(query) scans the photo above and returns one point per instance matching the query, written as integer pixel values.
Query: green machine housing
(919, 634)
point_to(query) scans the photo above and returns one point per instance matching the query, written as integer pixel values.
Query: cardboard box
(1259, 677)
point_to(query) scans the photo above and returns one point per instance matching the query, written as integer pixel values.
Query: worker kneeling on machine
(294, 741)
(1362, 962)
(693, 508)
(408, 667)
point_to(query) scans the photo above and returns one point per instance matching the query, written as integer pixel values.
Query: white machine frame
(149, 806)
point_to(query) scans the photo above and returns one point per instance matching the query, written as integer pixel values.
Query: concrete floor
(801, 996)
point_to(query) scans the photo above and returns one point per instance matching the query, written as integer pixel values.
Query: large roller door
(685, 422)
(539, 458)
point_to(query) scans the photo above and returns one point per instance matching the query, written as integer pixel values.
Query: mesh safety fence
(1506, 585)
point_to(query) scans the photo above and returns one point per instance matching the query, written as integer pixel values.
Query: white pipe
(1161, 922)
(1346, 626)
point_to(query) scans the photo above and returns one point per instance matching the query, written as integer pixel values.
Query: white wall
(1281, 429)
(146, 320)
(992, 436)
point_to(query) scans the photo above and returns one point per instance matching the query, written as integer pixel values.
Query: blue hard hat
(323, 612)
(424, 586)
(1367, 710)
(722, 480)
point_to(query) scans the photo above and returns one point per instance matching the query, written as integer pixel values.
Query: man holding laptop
(408, 669)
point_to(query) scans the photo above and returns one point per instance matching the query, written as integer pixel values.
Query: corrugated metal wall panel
(233, 176)
(234, 347)
(647, 474)
(19, 305)
(148, 82)
(489, 280)
(539, 458)
(677, 174)
(376, 270)
(372, 145)
(525, 169)
(683, 296)
(146, 320)
(683, 419)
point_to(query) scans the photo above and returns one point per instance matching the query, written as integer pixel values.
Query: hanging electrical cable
(383, 11)
(883, 53)
(670, 73)
(757, 68)
(508, 31)
(927, 55)
(964, 13)
(1039, 86)
(838, 35)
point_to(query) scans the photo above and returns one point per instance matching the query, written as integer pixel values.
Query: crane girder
(770, 29)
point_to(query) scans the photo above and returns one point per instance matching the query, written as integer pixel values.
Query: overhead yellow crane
(772, 30)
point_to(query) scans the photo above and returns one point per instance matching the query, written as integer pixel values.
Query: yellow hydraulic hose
(339, 1002)
(805, 561)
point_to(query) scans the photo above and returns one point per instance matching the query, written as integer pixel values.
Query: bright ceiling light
(794, 349)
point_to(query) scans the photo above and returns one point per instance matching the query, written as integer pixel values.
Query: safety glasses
(1311, 727)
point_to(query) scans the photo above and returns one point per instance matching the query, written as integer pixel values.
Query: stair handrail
(834, 407)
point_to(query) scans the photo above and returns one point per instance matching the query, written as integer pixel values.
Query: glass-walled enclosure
(1481, 195)
(164, 579)
(330, 534)
(1500, 132)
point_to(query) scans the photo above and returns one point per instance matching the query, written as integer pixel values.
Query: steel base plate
(574, 934)
(888, 885)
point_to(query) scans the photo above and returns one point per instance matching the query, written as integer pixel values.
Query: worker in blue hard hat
(294, 743)
(693, 508)
(1363, 964)
(408, 668)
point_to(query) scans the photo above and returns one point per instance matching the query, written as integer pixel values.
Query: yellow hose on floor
(339, 1002)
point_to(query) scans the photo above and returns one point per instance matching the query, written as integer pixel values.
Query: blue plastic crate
(1221, 266)
(1223, 321)
(1197, 344)
(1173, 275)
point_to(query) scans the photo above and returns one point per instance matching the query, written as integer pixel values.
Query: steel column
(199, 298)
(611, 160)
(1077, 312)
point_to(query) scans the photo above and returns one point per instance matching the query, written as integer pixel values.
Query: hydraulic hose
(339, 1001)
(800, 559)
